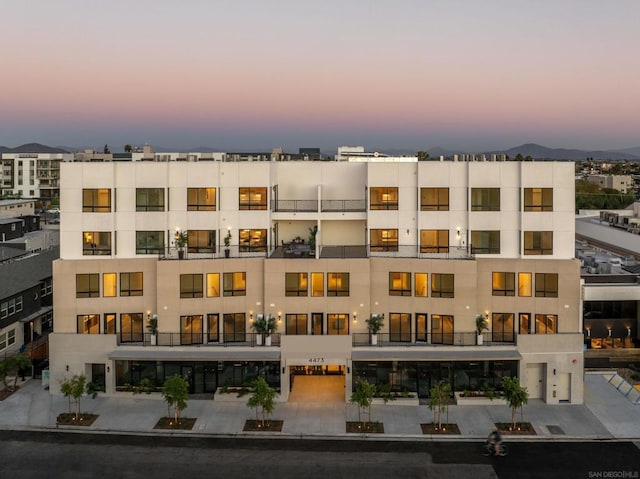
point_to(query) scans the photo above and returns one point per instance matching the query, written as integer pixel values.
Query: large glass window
(88, 324)
(502, 327)
(485, 199)
(503, 284)
(546, 285)
(422, 285)
(201, 241)
(253, 240)
(383, 198)
(485, 242)
(399, 284)
(338, 324)
(253, 199)
(434, 199)
(131, 284)
(337, 284)
(296, 324)
(88, 285)
(234, 327)
(442, 285)
(110, 323)
(538, 242)
(524, 284)
(191, 329)
(201, 199)
(525, 323)
(538, 199)
(149, 199)
(400, 327)
(434, 241)
(109, 285)
(149, 242)
(212, 328)
(441, 329)
(131, 328)
(317, 284)
(383, 240)
(96, 243)
(546, 323)
(421, 327)
(296, 284)
(213, 285)
(96, 200)
(191, 286)
(235, 284)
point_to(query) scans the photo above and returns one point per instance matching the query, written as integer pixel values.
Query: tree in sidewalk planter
(516, 397)
(362, 395)
(262, 400)
(73, 388)
(175, 392)
(12, 367)
(439, 402)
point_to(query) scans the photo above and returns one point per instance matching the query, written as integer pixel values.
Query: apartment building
(321, 246)
(32, 175)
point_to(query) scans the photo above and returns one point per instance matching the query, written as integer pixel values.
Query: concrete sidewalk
(606, 414)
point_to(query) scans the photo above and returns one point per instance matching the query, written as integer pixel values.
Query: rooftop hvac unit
(592, 270)
(604, 268)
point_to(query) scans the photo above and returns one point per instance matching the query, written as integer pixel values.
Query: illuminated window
(503, 284)
(399, 284)
(253, 240)
(538, 199)
(485, 199)
(131, 284)
(149, 199)
(546, 323)
(383, 240)
(434, 241)
(88, 324)
(422, 285)
(213, 285)
(546, 285)
(421, 327)
(96, 243)
(441, 329)
(338, 324)
(296, 324)
(234, 284)
(109, 285)
(131, 328)
(538, 242)
(383, 198)
(400, 327)
(96, 200)
(442, 285)
(485, 242)
(296, 284)
(191, 286)
(525, 323)
(434, 199)
(317, 284)
(191, 329)
(502, 327)
(110, 323)
(88, 285)
(201, 241)
(253, 198)
(212, 328)
(201, 199)
(524, 284)
(337, 284)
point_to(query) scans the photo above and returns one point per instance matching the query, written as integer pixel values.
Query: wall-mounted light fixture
(279, 316)
(355, 316)
(588, 332)
(628, 331)
(554, 372)
(458, 232)
(108, 369)
(67, 367)
(250, 315)
(609, 331)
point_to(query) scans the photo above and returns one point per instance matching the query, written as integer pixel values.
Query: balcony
(343, 206)
(195, 339)
(294, 206)
(410, 340)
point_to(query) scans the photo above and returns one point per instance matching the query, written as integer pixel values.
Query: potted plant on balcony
(312, 238)
(181, 239)
(152, 327)
(481, 325)
(227, 244)
(264, 326)
(375, 324)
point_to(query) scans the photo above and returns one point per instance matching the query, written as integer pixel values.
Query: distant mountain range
(533, 150)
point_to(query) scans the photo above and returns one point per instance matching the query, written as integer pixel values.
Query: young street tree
(263, 399)
(363, 396)
(516, 397)
(175, 392)
(439, 402)
(12, 367)
(74, 388)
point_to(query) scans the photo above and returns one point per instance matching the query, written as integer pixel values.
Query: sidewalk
(606, 414)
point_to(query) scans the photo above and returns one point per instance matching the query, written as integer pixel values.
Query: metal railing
(196, 339)
(429, 339)
(343, 206)
(294, 206)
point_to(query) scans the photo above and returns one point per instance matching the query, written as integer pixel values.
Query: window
(212, 328)
(434, 199)
(149, 242)
(296, 284)
(384, 240)
(546, 285)
(524, 284)
(235, 284)
(88, 324)
(337, 284)
(422, 285)
(96, 200)
(201, 199)
(253, 199)
(213, 285)
(546, 323)
(88, 285)
(502, 327)
(109, 286)
(296, 324)
(149, 199)
(11, 307)
(317, 284)
(485, 199)
(503, 284)
(191, 329)
(538, 242)
(441, 329)
(399, 284)
(442, 285)
(234, 327)
(131, 284)
(131, 328)
(538, 199)
(338, 324)
(46, 288)
(201, 241)
(485, 242)
(316, 323)
(110, 323)
(383, 198)
(96, 243)
(400, 327)
(253, 240)
(191, 286)
(7, 339)
(421, 327)
(434, 241)
(525, 323)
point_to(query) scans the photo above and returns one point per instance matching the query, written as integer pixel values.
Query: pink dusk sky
(243, 75)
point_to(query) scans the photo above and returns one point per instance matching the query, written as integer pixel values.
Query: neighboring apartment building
(622, 183)
(428, 244)
(32, 175)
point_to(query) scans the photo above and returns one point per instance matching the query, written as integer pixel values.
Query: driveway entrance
(317, 388)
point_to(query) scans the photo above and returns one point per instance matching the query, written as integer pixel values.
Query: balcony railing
(428, 339)
(195, 339)
(343, 206)
(294, 206)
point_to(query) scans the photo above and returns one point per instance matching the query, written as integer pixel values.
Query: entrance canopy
(435, 354)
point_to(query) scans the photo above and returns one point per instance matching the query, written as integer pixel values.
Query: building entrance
(317, 383)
